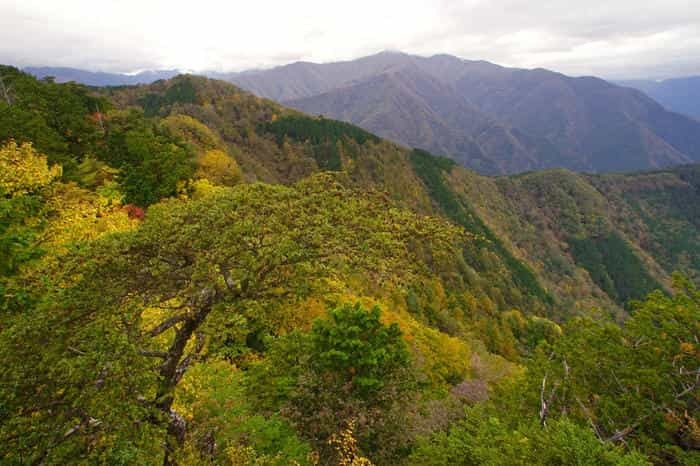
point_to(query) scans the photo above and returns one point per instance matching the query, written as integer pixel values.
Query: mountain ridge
(681, 95)
(493, 119)
(99, 78)
(547, 119)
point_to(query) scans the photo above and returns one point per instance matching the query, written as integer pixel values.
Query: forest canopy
(192, 275)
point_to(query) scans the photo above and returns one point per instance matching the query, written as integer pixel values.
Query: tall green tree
(152, 163)
(350, 372)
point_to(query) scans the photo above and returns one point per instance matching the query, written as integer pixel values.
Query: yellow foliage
(219, 168)
(151, 317)
(687, 348)
(240, 455)
(191, 131)
(445, 359)
(346, 449)
(23, 169)
(301, 315)
(194, 390)
(201, 188)
(81, 215)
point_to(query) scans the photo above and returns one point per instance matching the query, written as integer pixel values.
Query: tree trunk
(171, 371)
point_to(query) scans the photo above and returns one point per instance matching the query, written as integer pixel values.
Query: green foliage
(357, 348)
(203, 310)
(59, 119)
(68, 124)
(18, 228)
(317, 130)
(431, 170)
(597, 393)
(24, 179)
(667, 205)
(181, 90)
(637, 383)
(481, 439)
(123, 317)
(349, 370)
(151, 162)
(157, 175)
(326, 137)
(223, 426)
(613, 266)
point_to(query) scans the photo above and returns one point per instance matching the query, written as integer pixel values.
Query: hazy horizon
(213, 73)
(616, 40)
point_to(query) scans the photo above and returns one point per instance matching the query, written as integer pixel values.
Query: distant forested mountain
(490, 118)
(97, 78)
(681, 95)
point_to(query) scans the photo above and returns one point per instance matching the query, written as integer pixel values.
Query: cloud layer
(613, 38)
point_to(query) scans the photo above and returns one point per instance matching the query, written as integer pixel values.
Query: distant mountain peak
(391, 52)
(488, 117)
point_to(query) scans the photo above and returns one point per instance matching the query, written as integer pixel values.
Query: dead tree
(6, 91)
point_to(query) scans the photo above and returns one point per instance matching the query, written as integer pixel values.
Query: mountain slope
(681, 95)
(534, 119)
(412, 107)
(596, 126)
(557, 224)
(543, 236)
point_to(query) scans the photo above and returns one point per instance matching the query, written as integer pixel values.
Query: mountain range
(493, 119)
(99, 78)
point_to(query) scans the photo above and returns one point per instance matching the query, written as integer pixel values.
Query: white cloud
(616, 38)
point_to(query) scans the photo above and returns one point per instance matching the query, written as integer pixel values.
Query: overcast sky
(610, 38)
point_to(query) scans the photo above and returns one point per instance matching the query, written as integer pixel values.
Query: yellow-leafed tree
(23, 170)
(219, 168)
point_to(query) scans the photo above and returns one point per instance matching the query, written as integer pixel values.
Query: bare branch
(230, 282)
(621, 434)
(589, 417)
(546, 403)
(690, 388)
(76, 350)
(162, 327)
(544, 408)
(5, 91)
(153, 354)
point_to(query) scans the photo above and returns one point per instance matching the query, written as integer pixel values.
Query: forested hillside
(190, 274)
